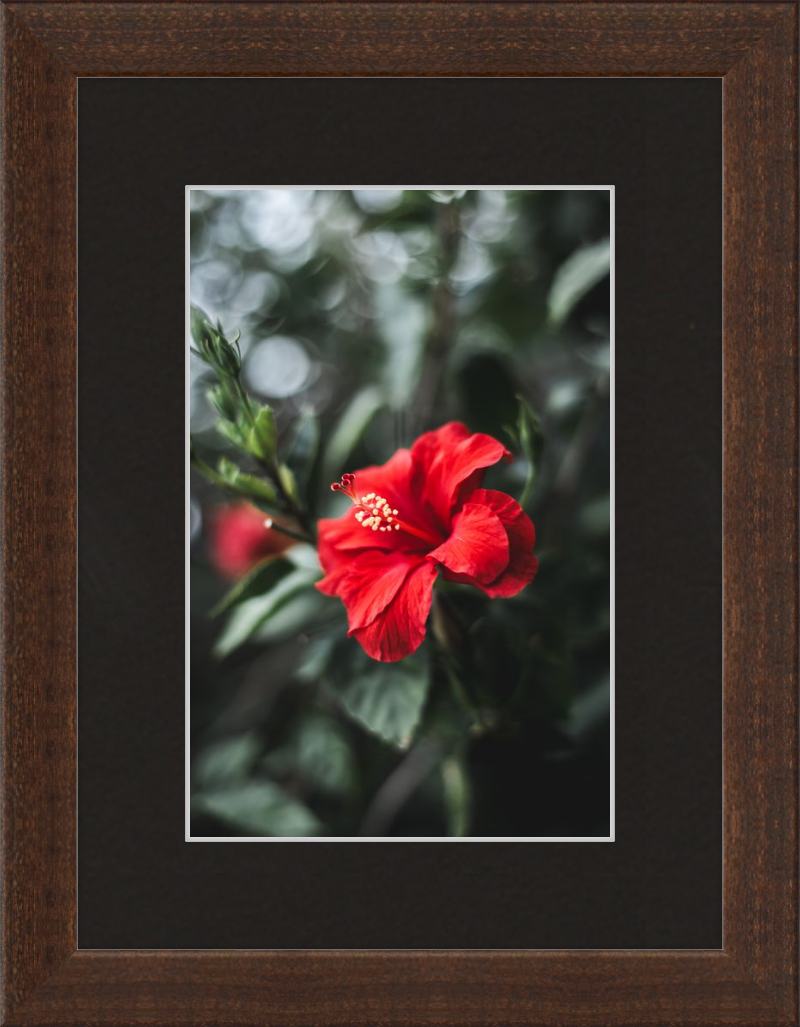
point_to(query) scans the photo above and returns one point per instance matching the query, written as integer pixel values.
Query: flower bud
(228, 360)
(239, 540)
(223, 402)
(213, 347)
(263, 437)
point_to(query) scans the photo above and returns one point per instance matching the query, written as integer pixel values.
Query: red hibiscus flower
(422, 511)
(239, 540)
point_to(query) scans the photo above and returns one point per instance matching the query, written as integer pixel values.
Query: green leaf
(386, 699)
(288, 481)
(528, 435)
(252, 614)
(263, 438)
(298, 615)
(258, 808)
(233, 433)
(260, 580)
(350, 430)
(305, 556)
(227, 760)
(579, 273)
(315, 659)
(246, 484)
(317, 751)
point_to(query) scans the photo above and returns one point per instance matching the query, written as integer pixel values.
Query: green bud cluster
(224, 401)
(223, 355)
(247, 425)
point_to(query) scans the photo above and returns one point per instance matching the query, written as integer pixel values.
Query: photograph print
(400, 514)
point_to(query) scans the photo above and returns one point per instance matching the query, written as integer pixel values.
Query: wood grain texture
(760, 516)
(387, 37)
(45, 46)
(400, 988)
(38, 511)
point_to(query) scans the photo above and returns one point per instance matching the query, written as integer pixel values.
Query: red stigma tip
(336, 487)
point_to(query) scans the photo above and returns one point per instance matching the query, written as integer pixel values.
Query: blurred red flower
(421, 511)
(238, 540)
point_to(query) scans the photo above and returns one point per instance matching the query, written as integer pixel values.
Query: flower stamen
(375, 513)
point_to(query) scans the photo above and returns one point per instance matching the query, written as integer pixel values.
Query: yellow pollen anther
(375, 512)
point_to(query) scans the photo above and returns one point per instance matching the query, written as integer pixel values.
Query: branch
(398, 787)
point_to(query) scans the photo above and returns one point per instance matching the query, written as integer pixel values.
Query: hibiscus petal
(395, 481)
(478, 545)
(522, 564)
(429, 446)
(400, 628)
(340, 537)
(445, 458)
(367, 583)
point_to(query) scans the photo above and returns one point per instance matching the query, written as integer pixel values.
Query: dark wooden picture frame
(753, 47)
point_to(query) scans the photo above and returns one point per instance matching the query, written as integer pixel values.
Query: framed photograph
(404, 333)
(400, 513)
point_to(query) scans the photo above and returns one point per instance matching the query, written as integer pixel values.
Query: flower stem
(284, 530)
(399, 786)
(217, 479)
(299, 514)
(457, 793)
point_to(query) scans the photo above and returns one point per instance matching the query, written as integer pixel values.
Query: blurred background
(366, 318)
